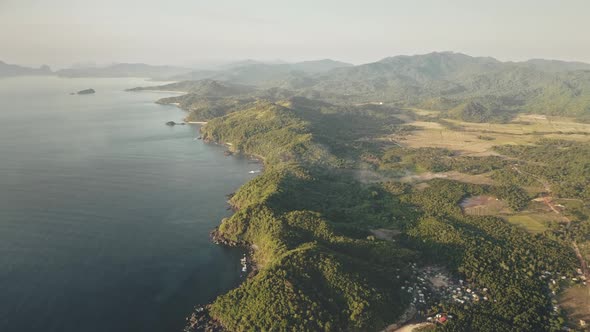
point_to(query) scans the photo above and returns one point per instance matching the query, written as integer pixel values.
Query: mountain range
(444, 81)
(8, 70)
(481, 87)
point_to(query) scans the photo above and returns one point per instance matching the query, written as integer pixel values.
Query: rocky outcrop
(218, 238)
(200, 320)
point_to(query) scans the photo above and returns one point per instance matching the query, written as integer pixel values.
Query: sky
(192, 32)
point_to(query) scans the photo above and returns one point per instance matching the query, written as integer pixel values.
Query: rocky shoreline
(218, 238)
(200, 319)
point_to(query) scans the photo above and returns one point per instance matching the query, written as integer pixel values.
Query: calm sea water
(105, 211)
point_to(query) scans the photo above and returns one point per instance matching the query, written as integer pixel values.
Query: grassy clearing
(530, 222)
(424, 112)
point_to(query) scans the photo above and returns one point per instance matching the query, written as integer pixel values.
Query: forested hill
(443, 81)
(264, 74)
(203, 87)
(310, 224)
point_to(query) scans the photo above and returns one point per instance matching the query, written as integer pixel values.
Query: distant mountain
(264, 74)
(207, 87)
(249, 62)
(555, 65)
(195, 75)
(126, 70)
(7, 70)
(541, 86)
(470, 88)
(319, 66)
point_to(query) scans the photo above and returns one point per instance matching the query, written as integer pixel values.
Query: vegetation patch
(527, 222)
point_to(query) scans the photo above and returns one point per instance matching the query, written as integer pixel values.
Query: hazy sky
(62, 32)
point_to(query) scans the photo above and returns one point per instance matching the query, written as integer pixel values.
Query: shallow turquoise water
(105, 211)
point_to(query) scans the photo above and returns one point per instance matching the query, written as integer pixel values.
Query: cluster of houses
(555, 280)
(465, 294)
(420, 289)
(244, 262)
(439, 318)
(430, 286)
(433, 284)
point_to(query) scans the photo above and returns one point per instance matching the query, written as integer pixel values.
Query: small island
(86, 92)
(172, 123)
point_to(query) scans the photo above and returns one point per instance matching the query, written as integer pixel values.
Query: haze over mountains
(125, 70)
(446, 81)
(474, 88)
(163, 72)
(8, 70)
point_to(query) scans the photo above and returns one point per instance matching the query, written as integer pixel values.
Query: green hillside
(309, 220)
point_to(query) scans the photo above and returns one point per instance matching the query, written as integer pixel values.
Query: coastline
(200, 319)
(189, 122)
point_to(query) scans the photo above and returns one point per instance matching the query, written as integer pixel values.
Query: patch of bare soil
(483, 205)
(413, 327)
(385, 234)
(452, 175)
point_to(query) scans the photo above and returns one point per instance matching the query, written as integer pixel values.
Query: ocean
(105, 211)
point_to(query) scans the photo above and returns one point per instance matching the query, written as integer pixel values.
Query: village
(431, 286)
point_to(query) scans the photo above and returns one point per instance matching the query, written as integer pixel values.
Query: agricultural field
(484, 206)
(477, 139)
(451, 175)
(533, 220)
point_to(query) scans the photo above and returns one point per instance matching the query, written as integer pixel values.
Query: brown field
(576, 302)
(525, 129)
(414, 327)
(534, 220)
(484, 206)
(452, 175)
(585, 250)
